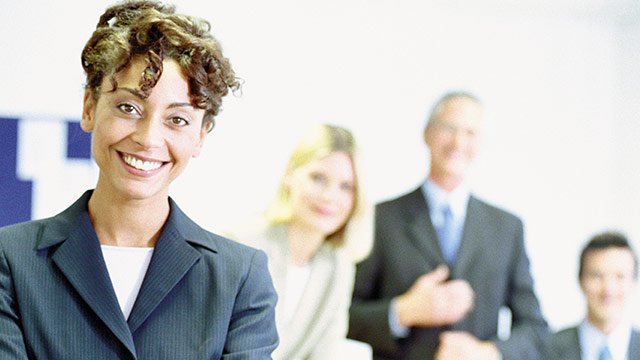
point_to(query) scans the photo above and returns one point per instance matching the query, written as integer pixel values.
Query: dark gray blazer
(492, 258)
(203, 296)
(565, 345)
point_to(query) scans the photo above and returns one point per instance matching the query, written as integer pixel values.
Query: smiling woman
(123, 273)
(314, 232)
(143, 143)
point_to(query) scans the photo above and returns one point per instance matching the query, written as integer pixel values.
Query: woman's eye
(178, 121)
(318, 178)
(346, 187)
(127, 108)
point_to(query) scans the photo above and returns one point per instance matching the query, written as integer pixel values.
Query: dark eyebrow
(134, 92)
(175, 105)
(139, 95)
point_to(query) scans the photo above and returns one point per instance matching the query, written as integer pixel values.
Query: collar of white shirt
(592, 340)
(437, 198)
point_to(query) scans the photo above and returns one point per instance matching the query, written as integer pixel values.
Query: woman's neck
(126, 222)
(303, 243)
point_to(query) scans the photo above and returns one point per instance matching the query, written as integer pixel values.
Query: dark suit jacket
(203, 296)
(565, 345)
(492, 258)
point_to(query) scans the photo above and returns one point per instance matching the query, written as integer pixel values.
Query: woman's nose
(148, 133)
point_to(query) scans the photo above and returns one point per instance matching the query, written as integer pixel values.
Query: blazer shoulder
(565, 343)
(402, 198)
(566, 335)
(45, 232)
(197, 235)
(634, 345)
(24, 234)
(226, 245)
(477, 205)
(411, 200)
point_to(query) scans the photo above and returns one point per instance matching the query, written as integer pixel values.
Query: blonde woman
(314, 232)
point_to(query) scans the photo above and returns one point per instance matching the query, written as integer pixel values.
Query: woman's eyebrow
(134, 92)
(139, 95)
(180, 104)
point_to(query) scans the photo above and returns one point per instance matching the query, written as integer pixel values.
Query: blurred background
(560, 80)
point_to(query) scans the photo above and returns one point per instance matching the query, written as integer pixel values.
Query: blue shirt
(592, 340)
(436, 198)
(457, 200)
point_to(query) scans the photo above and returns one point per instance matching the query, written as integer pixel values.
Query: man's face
(452, 138)
(608, 284)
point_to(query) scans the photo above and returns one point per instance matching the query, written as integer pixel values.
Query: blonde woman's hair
(357, 233)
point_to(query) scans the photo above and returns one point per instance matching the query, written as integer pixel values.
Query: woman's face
(322, 193)
(142, 145)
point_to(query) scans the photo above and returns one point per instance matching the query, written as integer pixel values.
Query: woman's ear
(88, 109)
(206, 127)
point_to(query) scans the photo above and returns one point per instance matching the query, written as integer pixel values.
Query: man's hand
(455, 345)
(434, 301)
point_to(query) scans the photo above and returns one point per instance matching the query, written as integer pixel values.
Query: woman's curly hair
(153, 30)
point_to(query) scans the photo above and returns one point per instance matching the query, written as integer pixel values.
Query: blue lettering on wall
(15, 194)
(78, 142)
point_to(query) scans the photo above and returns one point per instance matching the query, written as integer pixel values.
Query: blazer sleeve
(252, 330)
(529, 331)
(12, 344)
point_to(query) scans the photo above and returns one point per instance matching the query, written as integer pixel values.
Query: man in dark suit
(444, 263)
(607, 275)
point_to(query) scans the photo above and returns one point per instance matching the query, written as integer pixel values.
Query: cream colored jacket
(319, 324)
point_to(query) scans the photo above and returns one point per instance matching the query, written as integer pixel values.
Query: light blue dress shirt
(592, 340)
(436, 198)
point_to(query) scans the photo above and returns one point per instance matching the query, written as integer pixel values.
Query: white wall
(561, 92)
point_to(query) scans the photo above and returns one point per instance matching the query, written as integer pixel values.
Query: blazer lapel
(277, 249)
(79, 258)
(634, 346)
(172, 258)
(473, 235)
(573, 353)
(313, 303)
(420, 229)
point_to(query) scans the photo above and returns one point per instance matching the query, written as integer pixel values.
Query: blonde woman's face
(322, 193)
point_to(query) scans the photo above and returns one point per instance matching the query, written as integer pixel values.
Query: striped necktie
(447, 236)
(605, 354)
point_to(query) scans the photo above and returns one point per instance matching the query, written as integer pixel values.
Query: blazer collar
(634, 345)
(421, 231)
(187, 229)
(571, 349)
(474, 235)
(437, 197)
(318, 297)
(416, 211)
(75, 249)
(319, 301)
(58, 228)
(73, 245)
